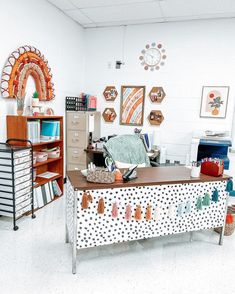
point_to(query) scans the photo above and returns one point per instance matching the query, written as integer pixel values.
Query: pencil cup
(195, 171)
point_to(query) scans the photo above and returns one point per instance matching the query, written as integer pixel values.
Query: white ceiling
(100, 13)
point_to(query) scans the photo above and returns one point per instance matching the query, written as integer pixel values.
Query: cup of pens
(196, 169)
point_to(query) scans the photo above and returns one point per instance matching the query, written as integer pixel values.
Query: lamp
(91, 127)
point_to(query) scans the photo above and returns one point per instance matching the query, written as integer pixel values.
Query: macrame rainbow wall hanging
(24, 62)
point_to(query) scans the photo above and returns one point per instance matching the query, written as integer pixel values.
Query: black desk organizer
(16, 179)
(76, 104)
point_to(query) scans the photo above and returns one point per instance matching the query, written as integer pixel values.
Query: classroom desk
(166, 189)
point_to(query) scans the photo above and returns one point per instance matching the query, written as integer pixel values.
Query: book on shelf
(47, 175)
(33, 127)
(50, 130)
(44, 194)
(56, 188)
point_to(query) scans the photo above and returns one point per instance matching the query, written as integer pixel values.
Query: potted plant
(35, 99)
(216, 105)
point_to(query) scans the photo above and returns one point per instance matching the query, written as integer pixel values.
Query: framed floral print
(214, 101)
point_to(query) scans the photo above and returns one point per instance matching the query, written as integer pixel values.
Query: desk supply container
(195, 171)
(212, 168)
(16, 185)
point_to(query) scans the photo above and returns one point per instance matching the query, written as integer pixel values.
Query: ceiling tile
(78, 16)
(99, 3)
(130, 12)
(172, 8)
(62, 4)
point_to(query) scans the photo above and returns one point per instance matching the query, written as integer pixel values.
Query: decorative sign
(110, 93)
(24, 62)
(155, 117)
(153, 56)
(157, 94)
(132, 105)
(214, 101)
(109, 115)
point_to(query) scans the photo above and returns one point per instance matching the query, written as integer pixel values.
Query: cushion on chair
(127, 149)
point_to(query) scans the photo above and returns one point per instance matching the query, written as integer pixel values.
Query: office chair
(126, 150)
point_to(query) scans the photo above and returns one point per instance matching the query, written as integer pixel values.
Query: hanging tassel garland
(206, 200)
(215, 195)
(138, 213)
(128, 212)
(115, 210)
(85, 201)
(90, 198)
(180, 209)
(172, 211)
(158, 212)
(229, 186)
(188, 207)
(100, 208)
(199, 203)
(148, 214)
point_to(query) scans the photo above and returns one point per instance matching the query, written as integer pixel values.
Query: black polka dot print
(169, 213)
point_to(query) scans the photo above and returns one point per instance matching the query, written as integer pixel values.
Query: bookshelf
(17, 128)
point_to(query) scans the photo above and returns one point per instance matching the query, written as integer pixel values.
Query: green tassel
(229, 186)
(206, 200)
(199, 203)
(215, 195)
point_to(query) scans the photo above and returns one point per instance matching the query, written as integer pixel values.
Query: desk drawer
(76, 155)
(76, 121)
(77, 139)
(76, 166)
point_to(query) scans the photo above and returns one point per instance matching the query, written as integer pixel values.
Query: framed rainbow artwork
(132, 105)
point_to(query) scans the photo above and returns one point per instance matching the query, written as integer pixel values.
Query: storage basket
(41, 156)
(229, 228)
(100, 176)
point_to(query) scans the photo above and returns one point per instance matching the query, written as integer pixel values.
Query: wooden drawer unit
(76, 155)
(76, 139)
(76, 121)
(76, 166)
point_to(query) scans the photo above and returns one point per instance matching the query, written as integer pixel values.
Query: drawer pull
(74, 156)
(75, 122)
(75, 140)
(76, 116)
(75, 152)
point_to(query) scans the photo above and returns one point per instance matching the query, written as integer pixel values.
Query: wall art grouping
(132, 105)
(24, 62)
(214, 101)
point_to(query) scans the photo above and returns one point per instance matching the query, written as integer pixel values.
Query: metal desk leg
(74, 248)
(66, 220)
(191, 237)
(221, 238)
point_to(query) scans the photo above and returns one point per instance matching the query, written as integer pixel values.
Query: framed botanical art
(132, 105)
(214, 101)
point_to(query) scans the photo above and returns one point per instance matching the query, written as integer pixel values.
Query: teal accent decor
(206, 200)
(215, 195)
(199, 203)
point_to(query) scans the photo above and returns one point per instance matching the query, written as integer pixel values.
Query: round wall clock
(153, 56)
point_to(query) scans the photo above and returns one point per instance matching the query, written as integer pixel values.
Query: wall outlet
(168, 161)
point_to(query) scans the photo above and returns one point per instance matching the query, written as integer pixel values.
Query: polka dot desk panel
(123, 214)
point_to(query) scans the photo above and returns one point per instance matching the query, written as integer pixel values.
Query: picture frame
(132, 105)
(214, 101)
